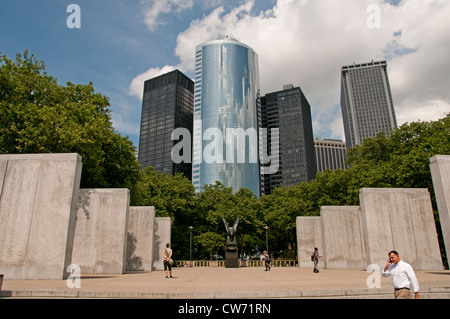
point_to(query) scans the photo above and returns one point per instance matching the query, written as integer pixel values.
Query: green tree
(40, 116)
(400, 161)
(172, 196)
(403, 160)
(211, 241)
(217, 201)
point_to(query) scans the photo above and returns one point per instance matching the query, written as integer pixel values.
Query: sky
(121, 43)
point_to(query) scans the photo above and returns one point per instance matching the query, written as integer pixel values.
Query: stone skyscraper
(366, 101)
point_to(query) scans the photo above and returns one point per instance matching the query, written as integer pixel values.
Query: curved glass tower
(226, 112)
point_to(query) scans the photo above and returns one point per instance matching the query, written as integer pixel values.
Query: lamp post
(190, 245)
(267, 239)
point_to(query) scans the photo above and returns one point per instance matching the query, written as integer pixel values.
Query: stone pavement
(222, 283)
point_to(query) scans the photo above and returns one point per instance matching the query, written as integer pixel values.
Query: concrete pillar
(402, 220)
(162, 236)
(38, 196)
(440, 172)
(101, 231)
(342, 237)
(141, 224)
(309, 236)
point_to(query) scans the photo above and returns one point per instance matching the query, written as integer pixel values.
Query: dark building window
(290, 112)
(167, 104)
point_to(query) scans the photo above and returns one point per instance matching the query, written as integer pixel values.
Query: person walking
(266, 260)
(315, 258)
(167, 255)
(403, 276)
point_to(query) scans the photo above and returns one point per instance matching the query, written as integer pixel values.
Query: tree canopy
(40, 116)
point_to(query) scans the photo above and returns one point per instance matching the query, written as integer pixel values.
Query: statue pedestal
(231, 259)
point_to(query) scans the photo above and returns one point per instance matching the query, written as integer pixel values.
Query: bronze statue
(231, 238)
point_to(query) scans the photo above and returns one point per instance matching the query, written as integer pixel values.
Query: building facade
(290, 112)
(226, 104)
(167, 104)
(330, 154)
(366, 101)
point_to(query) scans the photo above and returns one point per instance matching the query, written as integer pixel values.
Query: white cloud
(305, 42)
(137, 84)
(155, 8)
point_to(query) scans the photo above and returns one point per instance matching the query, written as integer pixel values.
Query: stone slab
(440, 172)
(309, 236)
(342, 237)
(141, 224)
(399, 219)
(37, 214)
(101, 231)
(162, 236)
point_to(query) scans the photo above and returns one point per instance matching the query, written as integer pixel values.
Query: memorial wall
(388, 219)
(38, 199)
(48, 223)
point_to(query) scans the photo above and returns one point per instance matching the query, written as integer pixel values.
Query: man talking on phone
(403, 276)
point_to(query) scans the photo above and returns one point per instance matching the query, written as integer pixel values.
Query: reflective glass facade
(226, 97)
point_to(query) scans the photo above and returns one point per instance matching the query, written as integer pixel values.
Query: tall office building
(167, 104)
(290, 112)
(226, 106)
(330, 154)
(366, 101)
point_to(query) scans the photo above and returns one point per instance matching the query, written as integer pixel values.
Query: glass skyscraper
(226, 112)
(166, 105)
(366, 101)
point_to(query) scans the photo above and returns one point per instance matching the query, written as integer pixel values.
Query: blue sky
(121, 43)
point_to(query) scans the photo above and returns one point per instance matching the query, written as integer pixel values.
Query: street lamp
(267, 239)
(190, 245)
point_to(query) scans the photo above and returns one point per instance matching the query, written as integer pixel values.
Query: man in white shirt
(403, 276)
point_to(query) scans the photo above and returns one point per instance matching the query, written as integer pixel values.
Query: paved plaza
(223, 283)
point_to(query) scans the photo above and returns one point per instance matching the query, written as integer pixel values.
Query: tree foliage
(40, 116)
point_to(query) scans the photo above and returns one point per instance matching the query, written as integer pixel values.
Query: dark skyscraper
(167, 104)
(366, 101)
(290, 112)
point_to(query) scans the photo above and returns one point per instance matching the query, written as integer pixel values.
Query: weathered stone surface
(440, 172)
(342, 237)
(162, 236)
(38, 196)
(309, 236)
(101, 231)
(141, 224)
(399, 219)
